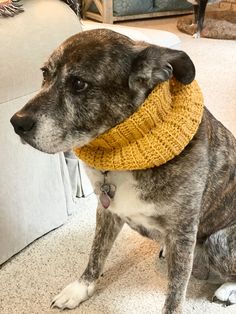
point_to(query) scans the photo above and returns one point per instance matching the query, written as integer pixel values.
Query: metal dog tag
(105, 200)
(107, 193)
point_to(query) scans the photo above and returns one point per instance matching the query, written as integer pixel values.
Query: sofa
(109, 11)
(36, 194)
(152, 36)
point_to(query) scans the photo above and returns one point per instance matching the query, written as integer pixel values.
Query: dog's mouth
(23, 141)
(49, 143)
(47, 135)
(28, 130)
(31, 142)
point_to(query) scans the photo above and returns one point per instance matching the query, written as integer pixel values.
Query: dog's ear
(154, 65)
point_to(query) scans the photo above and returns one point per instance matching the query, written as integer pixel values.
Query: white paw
(196, 35)
(72, 295)
(226, 293)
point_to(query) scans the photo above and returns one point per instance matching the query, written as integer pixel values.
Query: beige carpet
(134, 280)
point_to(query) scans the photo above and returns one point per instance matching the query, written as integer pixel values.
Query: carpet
(134, 280)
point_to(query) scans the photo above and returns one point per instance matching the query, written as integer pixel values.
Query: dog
(199, 7)
(94, 81)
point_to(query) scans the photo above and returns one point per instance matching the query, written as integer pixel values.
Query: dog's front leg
(107, 228)
(180, 249)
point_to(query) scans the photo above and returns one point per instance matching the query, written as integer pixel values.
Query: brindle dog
(92, 82)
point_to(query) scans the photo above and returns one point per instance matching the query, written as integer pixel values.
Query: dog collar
(157, 132)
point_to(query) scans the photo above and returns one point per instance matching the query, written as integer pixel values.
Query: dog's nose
(22, 123)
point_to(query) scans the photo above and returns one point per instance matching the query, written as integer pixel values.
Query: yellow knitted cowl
(157, 132)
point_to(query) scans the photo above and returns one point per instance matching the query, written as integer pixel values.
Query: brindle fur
(192, 197)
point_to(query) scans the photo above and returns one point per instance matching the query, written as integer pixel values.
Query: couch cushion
(127, 7)
(171, 5)
(152, 36)
(27, 40)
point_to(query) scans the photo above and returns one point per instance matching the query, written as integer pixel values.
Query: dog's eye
(78, 85)
(45, 72)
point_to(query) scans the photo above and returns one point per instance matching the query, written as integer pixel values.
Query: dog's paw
(72, 295)
(197, 35)
(226, 294)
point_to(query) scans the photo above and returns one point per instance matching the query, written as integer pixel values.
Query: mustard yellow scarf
(157, 132)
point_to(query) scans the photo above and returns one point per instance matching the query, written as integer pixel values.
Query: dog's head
(93, 81)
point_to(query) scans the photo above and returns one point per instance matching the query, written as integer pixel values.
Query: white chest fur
(127, 203)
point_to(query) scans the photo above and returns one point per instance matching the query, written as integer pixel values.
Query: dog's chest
(127, 202)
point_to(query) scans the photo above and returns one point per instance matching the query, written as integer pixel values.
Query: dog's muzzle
(23, 124)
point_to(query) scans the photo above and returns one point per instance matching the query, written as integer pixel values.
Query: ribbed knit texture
(157, 132)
